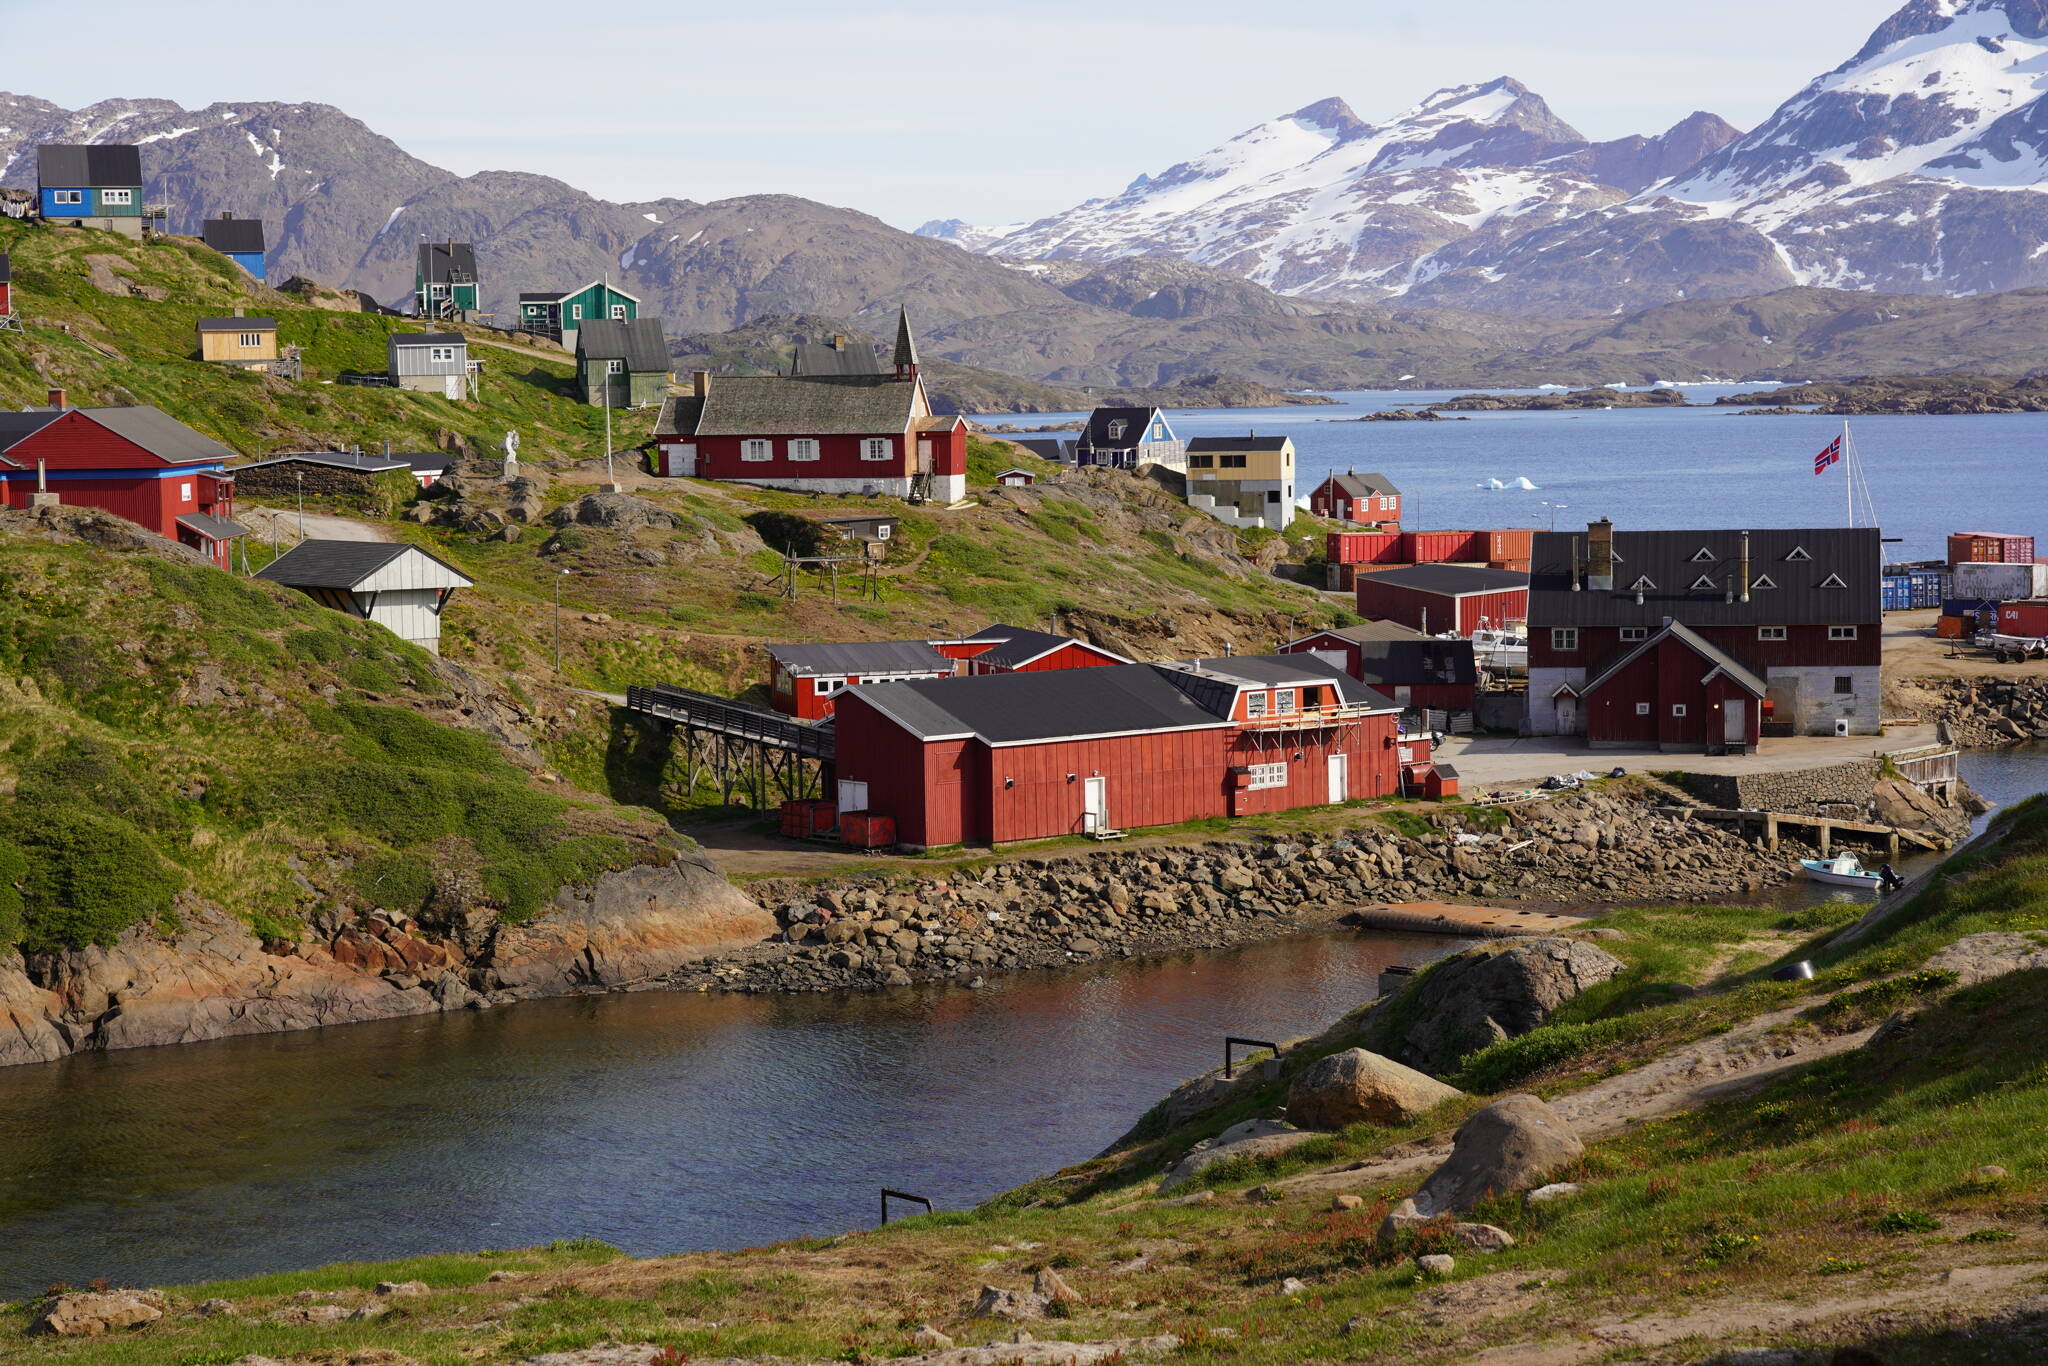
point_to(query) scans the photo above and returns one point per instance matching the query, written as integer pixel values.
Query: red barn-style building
(1413, 669)
(138, 463)
(808, 679)
(1018, 649)
(829, 433)
(1367, 499)
(1023, 756)
(1439, 598)
(1685, 640)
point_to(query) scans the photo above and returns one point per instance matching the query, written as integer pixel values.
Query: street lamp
(560, 574)
(1555, 508)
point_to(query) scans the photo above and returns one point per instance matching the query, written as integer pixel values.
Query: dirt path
(285, 523)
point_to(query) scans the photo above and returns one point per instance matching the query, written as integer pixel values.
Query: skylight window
(1798, 555)
(1762, 581)
(1833, 581)
(1704, 584)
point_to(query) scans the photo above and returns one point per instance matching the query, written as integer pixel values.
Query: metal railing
(1310, 718)
(702, 711)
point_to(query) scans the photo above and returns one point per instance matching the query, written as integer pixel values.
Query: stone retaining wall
(1806, 791)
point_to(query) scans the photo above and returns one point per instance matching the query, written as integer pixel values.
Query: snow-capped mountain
(1920, 165)
(1321, 202)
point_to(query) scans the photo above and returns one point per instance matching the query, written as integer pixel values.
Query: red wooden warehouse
(808, 679)
(1399, 662)
(1024, 756)
(137, 463)
(1440, 598)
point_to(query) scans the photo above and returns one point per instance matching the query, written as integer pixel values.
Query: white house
(400, 587)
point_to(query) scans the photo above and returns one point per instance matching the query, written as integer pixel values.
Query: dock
(1459, 922)
(1824, 827)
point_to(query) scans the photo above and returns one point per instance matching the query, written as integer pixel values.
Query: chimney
(227, 215)
(1745, 566)
(1576, 587)
(1600, 556)
(57, 400)
(838, 342)
(238, 310)
(700, 383)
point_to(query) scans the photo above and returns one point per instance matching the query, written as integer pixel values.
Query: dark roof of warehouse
(1370, 630)
(1021, 644)
(1026, 708)
(234, 236)
(636, 341)
(1416, 661)
(215, 528)
(363, 462)
(1450, 580)
(860, 658)
(157, 432)
(116, 165)
(1806, 576)
(1215, 682)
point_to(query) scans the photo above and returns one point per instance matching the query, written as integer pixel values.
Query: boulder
(1357, 1087)
(1557, 1190)
(929, 1337)
(1483, 1237)
(1487, 994)
(88, 1314)
(1253, 1138)
(1510, 1145)
(401, 1288)
(1436, 1264)
(1050, 1286)
(618, 511)
(994, 1302)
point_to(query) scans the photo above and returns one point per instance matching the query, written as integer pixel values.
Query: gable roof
(772, 405)
(233, 236)
(1367, 630)
(859, 657)
(1238, 443)
(544, 296)
(1137, 428)
(1216, 681)
(1719, 658)
(1363, 485)
(441, 263)
(113, 165)
(823, 358)
(1409, 663)
(154, 430)
(1031, 708)
(344, 564)
(1786, 570)
(238, 324)
(1450, 580)
(1020, 645)
(1045, 447)
(428, 339)
(636, 341)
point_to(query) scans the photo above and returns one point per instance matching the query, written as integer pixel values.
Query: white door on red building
(852, 796)
(1567, 716)
(1340, 778)
(1734, 721)
(1095, 804)
(682, 459)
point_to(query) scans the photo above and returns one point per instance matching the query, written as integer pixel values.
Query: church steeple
(906, 347)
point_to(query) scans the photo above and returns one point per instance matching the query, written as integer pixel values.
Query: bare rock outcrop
(91, 1313)
(1487, 994)
(1357, 1087)
(618, 511)
(1253, 1138)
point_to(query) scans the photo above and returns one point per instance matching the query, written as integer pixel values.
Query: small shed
(1439, 598)
(239, 239)
(1017, 479)
(431, 362)
(400, 587)
(622, 362)
(873, 532)
(246, 343)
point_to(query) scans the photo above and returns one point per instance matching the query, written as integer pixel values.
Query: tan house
(1243, 481)
(250, 343)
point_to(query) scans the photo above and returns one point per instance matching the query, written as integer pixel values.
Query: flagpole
(1848, 473)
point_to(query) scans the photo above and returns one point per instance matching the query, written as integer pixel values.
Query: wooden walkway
(1826, 827)
(1459, 922)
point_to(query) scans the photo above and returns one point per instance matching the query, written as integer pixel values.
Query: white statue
(512, 455)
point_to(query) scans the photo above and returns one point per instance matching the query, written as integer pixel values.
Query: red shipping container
(1442, 547)
(1520, 566)
(796, 818)
(1990, 547)
(865, 830)
(2029, 618)
(1362, 547)
(1950, 628)
(1506, 548)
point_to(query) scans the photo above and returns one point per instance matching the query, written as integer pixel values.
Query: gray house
(432, 362)
(1125, 438)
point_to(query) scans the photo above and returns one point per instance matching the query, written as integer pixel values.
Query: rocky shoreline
(1979, 713)
(879, 931)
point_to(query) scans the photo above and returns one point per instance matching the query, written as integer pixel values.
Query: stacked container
(2000, 581)
(1916, 590)
(1990, 547)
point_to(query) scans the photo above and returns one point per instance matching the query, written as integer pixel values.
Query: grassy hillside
(170, 733)
(111, 321)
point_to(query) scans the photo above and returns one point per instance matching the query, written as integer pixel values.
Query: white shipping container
(2000, 582)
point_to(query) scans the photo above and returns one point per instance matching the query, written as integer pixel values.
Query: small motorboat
(1842, 871)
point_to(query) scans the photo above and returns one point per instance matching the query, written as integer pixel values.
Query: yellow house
(1245, 481)
(247, 342)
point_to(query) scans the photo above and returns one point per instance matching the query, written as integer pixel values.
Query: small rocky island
(1555, 400)
(1913, 395)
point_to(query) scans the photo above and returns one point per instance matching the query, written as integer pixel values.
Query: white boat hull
(1823, 871)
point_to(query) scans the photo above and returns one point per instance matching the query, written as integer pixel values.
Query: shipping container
(1968, 607)
(2028, 618)
(2006, 581)
(1443, 547)
(1505, 548)
(1914, 592)
(1990, 547)
(1363, 547)
(1952, 627)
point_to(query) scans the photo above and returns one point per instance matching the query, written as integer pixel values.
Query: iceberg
(1521, 481)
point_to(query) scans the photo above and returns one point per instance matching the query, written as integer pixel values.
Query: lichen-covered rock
(1357, 1087)
(1253, 1138)
(1485, 995)
(1510, 1145)
(618, 511)
(89, 1314)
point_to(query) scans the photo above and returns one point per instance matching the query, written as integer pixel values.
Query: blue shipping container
(1897, 593)
(1967, 607)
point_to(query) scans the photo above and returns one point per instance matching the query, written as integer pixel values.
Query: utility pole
(301, 477)
(560, 574)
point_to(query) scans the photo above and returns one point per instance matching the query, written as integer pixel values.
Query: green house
(559, 315)
(444, 283)
(622, 363)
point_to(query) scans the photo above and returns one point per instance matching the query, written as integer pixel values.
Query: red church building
(137, 462)
(1020, 756)
(817, 433)
(1690, 640)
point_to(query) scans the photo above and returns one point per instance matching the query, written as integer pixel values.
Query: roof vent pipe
(1745, 566)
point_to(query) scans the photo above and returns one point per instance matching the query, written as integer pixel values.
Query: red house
(138, 463)
(809, 679)
(829, 433)
(1395, 661)
(1439, 598)
(1018, 649)
(1686, 640)
(1022, 756)
(1368, 499)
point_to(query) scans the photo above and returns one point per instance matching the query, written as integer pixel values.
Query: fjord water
(1696, 466)
(658, 1121)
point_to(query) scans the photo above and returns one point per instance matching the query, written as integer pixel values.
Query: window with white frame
(1564, 637)
(1268, 775)
(875, 448)
(1254, 704)
(1115, 430)
(1635, 633)
(576, 311)
(828, 687)
(1642, 709)
(440, 354)
(615, 367)
(757, 450)
(252, 339)
(1770, 633)
(1678, 708)
(437, 291)
(184, 493)
(1841, 633)
(67, 196)
(803, 448)
(619, 312)
(1283, 701)
(117, 196)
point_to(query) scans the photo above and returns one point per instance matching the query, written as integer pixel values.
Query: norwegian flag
(1829, 454)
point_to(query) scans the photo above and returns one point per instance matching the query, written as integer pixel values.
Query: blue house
(92, 187)
(238, 239)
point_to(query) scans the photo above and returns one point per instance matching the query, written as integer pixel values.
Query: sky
(988, 112)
